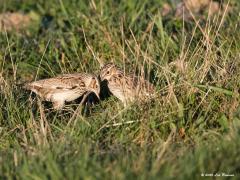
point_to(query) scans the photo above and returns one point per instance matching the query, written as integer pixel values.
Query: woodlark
(127, 88)
(65, 88)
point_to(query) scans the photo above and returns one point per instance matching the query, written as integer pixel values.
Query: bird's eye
(108, 72)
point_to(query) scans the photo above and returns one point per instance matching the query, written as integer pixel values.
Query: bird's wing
(140, 85)
(64, 82)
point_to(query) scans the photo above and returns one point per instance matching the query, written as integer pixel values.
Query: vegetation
(192, 128)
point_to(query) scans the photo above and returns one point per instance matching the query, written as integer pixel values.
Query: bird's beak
(100, 77)
(97, 94)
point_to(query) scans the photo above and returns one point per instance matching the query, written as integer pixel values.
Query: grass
(193, 127)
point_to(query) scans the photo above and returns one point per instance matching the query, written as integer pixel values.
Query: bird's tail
(26, 86)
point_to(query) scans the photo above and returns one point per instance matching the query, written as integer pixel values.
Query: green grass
(193, 127)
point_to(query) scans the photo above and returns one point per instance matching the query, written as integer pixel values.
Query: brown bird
(125, 87)
(65, 88)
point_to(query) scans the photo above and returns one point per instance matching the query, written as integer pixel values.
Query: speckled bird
(126, 87)
(65, 88)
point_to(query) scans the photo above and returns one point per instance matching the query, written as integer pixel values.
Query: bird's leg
(84, 98)
(57, 105)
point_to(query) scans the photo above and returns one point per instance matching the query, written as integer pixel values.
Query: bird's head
(93, 85)
(108, 70)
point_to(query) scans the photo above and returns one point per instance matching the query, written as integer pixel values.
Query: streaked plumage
(125, 87)
(65, 88)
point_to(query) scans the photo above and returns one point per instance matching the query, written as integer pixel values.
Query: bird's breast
(68, 95)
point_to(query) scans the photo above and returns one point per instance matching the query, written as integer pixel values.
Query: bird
(126, 87)
(65, 88)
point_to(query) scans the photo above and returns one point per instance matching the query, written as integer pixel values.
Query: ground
(191, 129)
